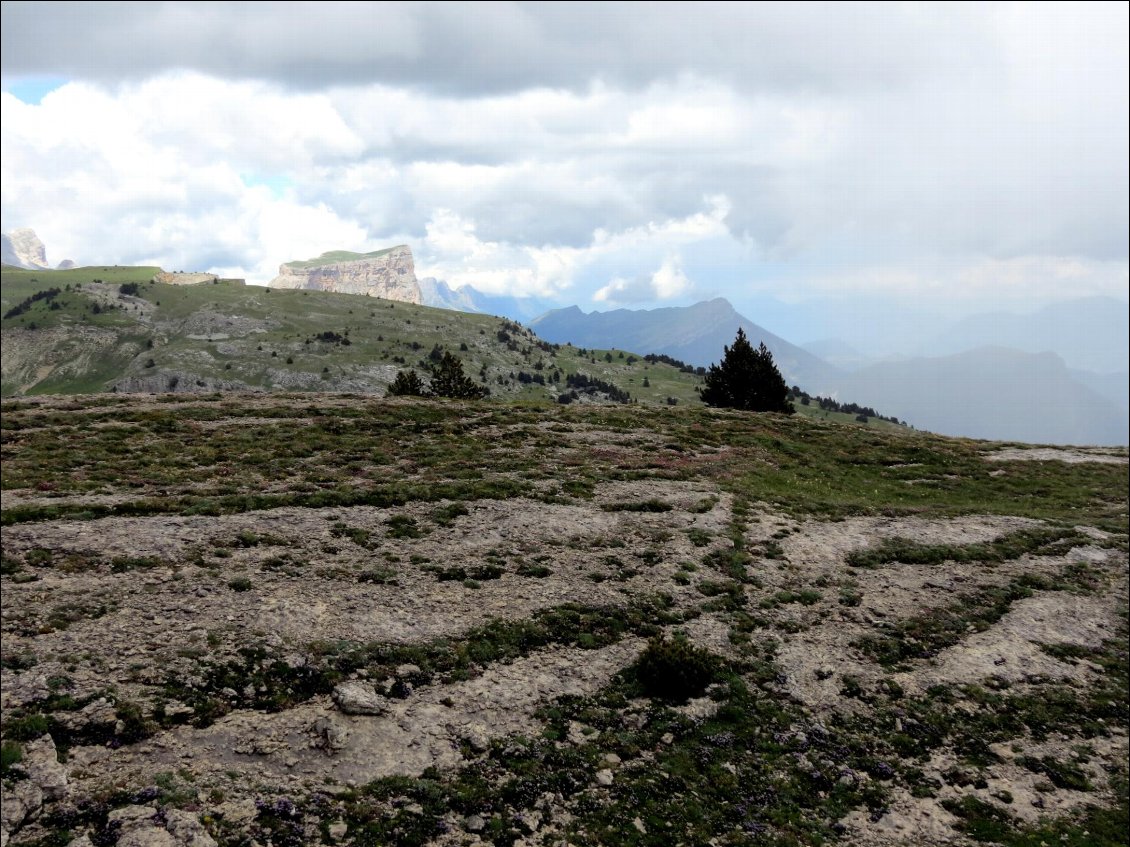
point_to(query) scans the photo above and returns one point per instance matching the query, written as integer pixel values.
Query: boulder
(359, 698)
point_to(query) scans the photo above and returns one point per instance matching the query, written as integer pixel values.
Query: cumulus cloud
(492, 47)
(146, 184)
(666, 283)
(960, 152)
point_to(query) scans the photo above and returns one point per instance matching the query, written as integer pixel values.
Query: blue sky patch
(278, 184)
(32, 89)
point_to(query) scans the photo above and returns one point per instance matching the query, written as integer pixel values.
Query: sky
(851, 170)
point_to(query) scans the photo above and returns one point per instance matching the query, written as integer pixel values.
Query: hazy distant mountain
(439, 294)
(694, 334)
(1114, 386)
(22, 248)
(838, 353)
(1091, 333)
(991, 392)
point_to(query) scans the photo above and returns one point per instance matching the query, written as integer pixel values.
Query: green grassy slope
(227, 335)
(230, 336)
(17, 283)
(303, 446)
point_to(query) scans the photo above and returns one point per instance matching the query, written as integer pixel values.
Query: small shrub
(1062, 774)
(378, 576)
(652, 505)
(11, 754)
(402, 526)
(240, 583)
(698, 537)
(446, 515)
(123, 564)
(407, 384)
(675, 669)
(851, 687)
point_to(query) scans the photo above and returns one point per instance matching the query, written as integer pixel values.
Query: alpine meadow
(293, 618)
(564, 424)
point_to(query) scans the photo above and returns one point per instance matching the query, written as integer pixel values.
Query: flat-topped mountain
(388, 273)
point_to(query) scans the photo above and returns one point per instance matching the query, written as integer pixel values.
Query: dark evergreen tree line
(47, 294)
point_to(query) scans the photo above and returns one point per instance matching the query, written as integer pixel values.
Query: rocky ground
(468, 671)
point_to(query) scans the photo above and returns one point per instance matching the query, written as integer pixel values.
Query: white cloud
(451, 250)
(667, 283)
(976, 155)
(156, 175)
(958, 283)
(670, 281)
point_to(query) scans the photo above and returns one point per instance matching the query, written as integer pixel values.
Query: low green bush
(675, 670)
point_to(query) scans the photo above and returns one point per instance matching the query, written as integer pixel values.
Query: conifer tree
(746, 379)
(407, 384)
(448, 380)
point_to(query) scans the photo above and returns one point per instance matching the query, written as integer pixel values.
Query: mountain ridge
(694, 334)
(992, 392)
(467, 298)
(1088, 333)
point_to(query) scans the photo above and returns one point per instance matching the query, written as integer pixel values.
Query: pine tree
(407, 384)
(448, 380)
(746, 379)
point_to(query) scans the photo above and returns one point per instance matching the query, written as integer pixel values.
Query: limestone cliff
(23, 249)
(389, 274)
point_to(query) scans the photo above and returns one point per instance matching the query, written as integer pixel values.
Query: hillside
(693, 334)
(299, 619)
(228, 336)
(231, 337)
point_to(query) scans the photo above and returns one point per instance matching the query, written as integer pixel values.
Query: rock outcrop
(23, 249)
(182, 278)
(389, 274)
(359, 698)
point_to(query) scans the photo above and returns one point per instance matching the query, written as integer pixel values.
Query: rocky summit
(23, 249)
(388, 273)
